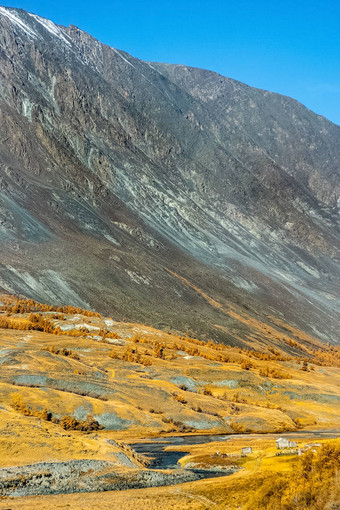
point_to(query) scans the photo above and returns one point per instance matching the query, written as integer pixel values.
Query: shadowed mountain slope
(161, 193)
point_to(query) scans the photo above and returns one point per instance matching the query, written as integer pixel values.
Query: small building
(312, 447)
(309, 447)
(285, 443)
(246, 450)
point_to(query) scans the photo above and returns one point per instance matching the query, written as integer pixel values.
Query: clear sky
(290, 47)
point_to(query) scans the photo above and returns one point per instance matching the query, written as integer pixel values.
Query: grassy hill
(76, 386)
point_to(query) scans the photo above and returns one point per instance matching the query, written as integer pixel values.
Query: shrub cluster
(62, 352)
(19, 405)
(27, 325)
(178, 425)
(67, 422)
(15, 304)
(275, 374)
(246, 365)
(180, 399)
(313, 484)
(132, 355)
(87, 425)
(108, 334)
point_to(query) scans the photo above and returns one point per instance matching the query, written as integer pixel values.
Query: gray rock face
(82, 476)
(142, 189)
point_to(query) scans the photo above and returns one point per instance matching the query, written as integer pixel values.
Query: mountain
(161, 193)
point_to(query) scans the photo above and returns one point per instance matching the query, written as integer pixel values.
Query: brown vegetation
(178, 425)
(19, 405)
(87, 425)
(67, 422)
(132, 355)
(36, 322)
(62, 352)
(317, 353)
(15, 304)
(275, 374)
(314, 483)
(180, 399)
(108, 334)
(246, 365)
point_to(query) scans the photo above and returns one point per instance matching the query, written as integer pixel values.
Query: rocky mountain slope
(161, 193)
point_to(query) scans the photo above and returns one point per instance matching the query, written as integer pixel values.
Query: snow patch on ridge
(51, 27)
(18, 22)
(125, 59)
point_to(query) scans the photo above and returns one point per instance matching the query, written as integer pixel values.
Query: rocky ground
(82, 475)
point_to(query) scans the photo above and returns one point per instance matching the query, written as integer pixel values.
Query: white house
(285, 443)
(313, 447)
(246, 450)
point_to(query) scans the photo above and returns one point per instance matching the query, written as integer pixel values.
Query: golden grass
(187, 382)
(233, 492)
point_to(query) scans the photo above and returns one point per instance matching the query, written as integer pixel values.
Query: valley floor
(231, 492)
(78, 390)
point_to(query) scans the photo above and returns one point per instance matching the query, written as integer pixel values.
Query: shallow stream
(155, 449)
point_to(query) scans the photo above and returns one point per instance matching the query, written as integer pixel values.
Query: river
(156, 449)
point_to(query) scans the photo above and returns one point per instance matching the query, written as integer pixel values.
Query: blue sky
(292, 47)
